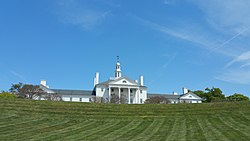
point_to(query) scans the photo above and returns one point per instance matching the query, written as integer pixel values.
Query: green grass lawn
(44, 120)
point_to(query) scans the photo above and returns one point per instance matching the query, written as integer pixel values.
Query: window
(190, 96)
(140, 100)
(121, 90)
(112, 90)
(80, 100)
(141, 91)
(124, 81)
(131, 91)
(102, 89)
(70, 99)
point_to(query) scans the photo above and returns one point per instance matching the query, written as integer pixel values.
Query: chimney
(43, 82)
(175, 93)
(96, 79)
(185, 90)
(141, 80)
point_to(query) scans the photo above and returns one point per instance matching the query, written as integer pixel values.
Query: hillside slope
(44, 120)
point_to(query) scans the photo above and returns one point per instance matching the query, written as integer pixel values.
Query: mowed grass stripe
(99, 135)
(154, 132)
(149, 131)
(213, 121)
(91, 130)
(74, 127)
(243, 117)
(96, 134)
(28, 134)
(213, 131)
(115, 133)
(178, 131)
(164, 130)
(129, 130)
(238, 125)
(137, 130)
(21, 126)
(236, 130)
(204, 131)
(193, 130)
(221, 129)
(11, 120)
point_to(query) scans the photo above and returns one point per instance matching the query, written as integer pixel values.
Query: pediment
(190, 96)
(123, 81)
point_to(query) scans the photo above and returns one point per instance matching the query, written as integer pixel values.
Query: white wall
(143, 95)
(76, 98)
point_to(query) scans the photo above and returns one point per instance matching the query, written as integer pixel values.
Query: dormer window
(124, 81)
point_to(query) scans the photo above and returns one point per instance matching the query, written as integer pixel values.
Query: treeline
(28, 91)
(216, 95)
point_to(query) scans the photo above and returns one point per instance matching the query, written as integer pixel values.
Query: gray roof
(74, 92)
(105, 82)
(168, 96)
(171, 96)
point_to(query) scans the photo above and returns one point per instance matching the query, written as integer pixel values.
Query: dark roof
(73, 92)
(105, 82)
(169, 96)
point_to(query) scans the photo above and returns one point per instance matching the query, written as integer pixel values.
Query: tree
(51, 96)
(157, 100)
(97, 100)
(118, 100)
(209, 95)
(31, 91)
(201, 94)
(15, 88)
(237, 97)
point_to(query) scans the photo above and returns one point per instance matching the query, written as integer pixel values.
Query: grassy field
(44, 120)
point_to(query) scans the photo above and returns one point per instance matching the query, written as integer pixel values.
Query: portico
(122, 88)
(132, 94)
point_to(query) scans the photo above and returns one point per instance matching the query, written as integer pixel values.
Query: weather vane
(117, 58)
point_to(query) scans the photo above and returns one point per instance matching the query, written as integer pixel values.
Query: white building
(186, 97)
(120, 87)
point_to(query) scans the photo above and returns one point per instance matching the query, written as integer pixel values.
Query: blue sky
(173, 43)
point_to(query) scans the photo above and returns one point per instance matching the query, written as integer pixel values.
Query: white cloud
(191, 34)
(228, 16)
(237, 70)
(18, 75)
(243, 58)
(85, 16)
(170, 59)
(168, 2)
(236, 76)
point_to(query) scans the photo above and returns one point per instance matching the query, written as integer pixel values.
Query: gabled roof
(73, 92)
(190, 93)
(105, 82)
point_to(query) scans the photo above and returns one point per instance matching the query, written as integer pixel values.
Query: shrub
(7, 95)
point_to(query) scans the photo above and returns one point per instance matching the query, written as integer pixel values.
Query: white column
(128, 95)
(138, 93)
(119, 95)
(109, 94)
